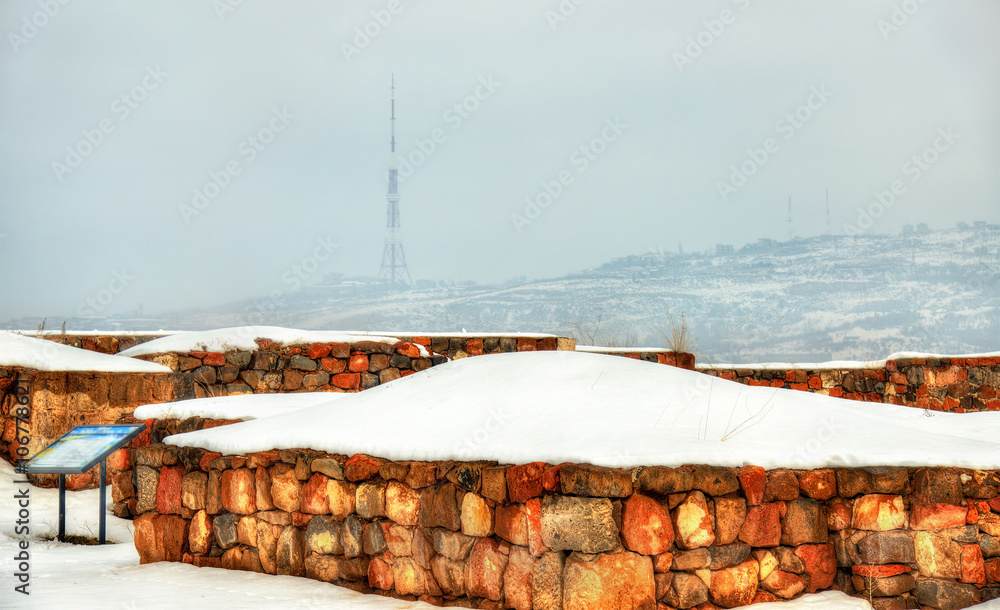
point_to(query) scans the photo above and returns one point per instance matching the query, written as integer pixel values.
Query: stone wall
(105, 343)
(58, 401)
(540, 536)
(956, 385)
(683, 360)
(330, 367)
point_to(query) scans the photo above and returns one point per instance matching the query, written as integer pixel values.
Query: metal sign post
(78, 451)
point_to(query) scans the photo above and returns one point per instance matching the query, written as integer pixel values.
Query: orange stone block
(646, 526)
(937, 516)
(973, 569)
(239, 495)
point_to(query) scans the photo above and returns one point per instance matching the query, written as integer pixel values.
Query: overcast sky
(113, 115)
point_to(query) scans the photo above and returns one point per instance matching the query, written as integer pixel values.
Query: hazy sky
(114, 114)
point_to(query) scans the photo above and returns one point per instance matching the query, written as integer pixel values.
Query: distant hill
(806, 300)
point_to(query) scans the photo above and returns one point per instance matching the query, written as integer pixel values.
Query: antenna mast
(393, 267)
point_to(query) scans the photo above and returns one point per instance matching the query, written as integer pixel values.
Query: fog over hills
(805, 300)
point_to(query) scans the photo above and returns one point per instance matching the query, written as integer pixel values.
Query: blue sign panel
(81, 448)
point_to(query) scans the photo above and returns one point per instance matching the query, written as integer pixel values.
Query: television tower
(393, 268)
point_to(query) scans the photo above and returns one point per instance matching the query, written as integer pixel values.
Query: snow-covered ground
(241, 406)
(45, 355)
(612, 411)
(242, 338)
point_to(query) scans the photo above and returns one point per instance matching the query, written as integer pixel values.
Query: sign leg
(104, 516)
(62, 508)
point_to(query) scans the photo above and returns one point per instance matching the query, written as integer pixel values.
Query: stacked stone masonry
(956, 385)
(574, 536)
(58, 401)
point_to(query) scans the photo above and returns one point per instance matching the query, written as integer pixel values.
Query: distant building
(979, 224)
(923, 228)
(907, 229)
(723, 250)
(962, 225)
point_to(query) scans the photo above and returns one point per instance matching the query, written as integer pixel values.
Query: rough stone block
(714, 480)
(693, 522)
(734, 586)
(402, 504)
(578, 524)
(893, 547)
(525, 482)
(878, 512)
(484, 573)
(323, 536)
(610, 581)
(665, 480)
(646, 526)
(477, 516)
(805, 522)
(762, 527)
(594, 481)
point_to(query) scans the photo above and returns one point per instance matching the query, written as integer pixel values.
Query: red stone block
(799, 386)
(526, 344)
(972, 517)
(837, 392)
(547, 344)
(884, 571)
(937, 516)
(764, 597)
(168, 490)
(318, 350)
(333, 366)
(820, 562)
(425, 341)
(646, 526)
(815, 382)
(208, 458)
(550, 477)
(474, 347)
(198, 355)
(358, 363)
(819, 484)
(533, 513)
(380, 574)
(119, 460)
(511, 524)
(762, 527)
(405, 348)
(347, 381)
(525, 481)
(313, 497)
(361, 467)
(992, 570)
(838, 515)
(753, 480)
(790, 376)
(973, 569)
(777, 383)
(487, 562)
(214, 359)
(301, 520)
